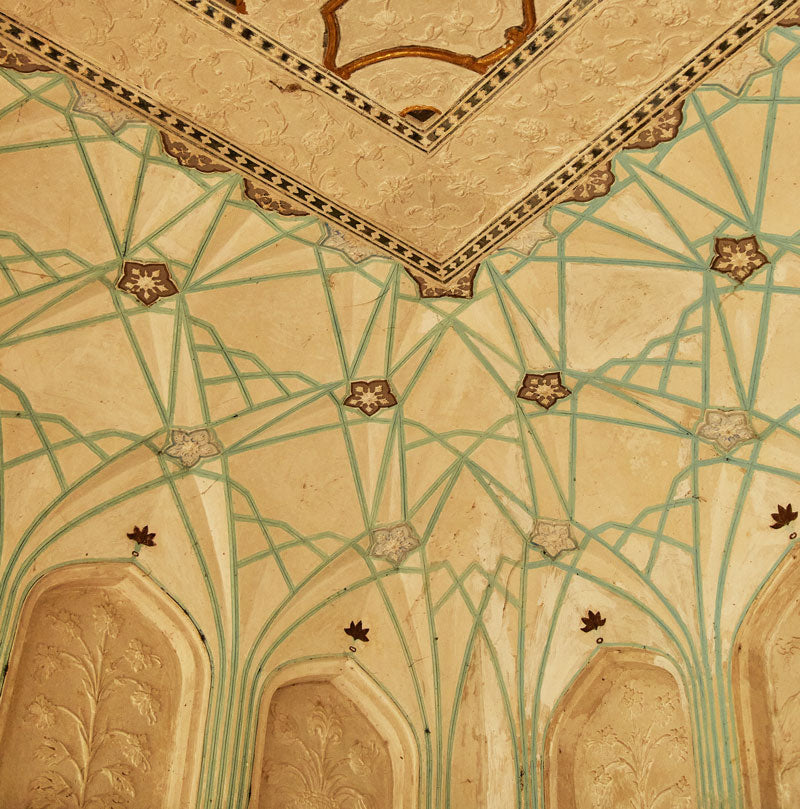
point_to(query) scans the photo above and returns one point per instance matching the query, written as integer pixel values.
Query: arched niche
(328, 735)
(620, 736)
(105, 698)
(766, 688)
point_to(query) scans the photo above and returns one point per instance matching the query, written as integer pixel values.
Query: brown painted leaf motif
(592, 621)
(357, 631)
(783, 516)
(142, 537)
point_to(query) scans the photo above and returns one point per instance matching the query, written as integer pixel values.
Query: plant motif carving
(627, 754)
(322, 753)
(87, 752)
(785, 661)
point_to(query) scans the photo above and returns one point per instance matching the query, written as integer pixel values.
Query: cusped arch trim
(751, 686)
(348, 677)
(130, 585)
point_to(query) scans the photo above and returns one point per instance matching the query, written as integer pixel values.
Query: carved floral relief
(321, 752)
(621, 739)
(91, 723)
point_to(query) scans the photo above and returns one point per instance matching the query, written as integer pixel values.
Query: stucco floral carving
(89, 755)
(190, 446)
(554, 537)
(726, 428)
(147, 282)
(370, 396)
(393, 543)
(322, 753)
(739, 258)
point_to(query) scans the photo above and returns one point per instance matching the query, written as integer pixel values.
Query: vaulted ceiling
(440, 357)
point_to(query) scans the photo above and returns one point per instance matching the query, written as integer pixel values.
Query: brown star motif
(148, 282)
(739, 258)
(142, 536)
(544, 389)
(370, 397)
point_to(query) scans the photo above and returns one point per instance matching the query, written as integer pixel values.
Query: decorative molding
(514, 37)
(434, 131)
(452, 276)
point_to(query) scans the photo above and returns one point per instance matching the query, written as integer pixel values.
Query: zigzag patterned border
(452, 277)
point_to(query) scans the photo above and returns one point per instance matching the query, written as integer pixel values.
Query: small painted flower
(370, 397)
(544, 389)
(553, 537)
(189, 446)
(726, 428)
(393, 543)
(739, 258)
(147, 282)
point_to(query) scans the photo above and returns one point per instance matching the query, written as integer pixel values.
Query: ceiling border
(453, 276)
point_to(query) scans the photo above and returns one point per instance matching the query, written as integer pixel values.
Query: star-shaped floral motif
(148, 282)
(739, 258)
(189, 446)
(370, 397)
(726, 428)
(544, 389)
(357, 631)
(553, 537)
(393, 543)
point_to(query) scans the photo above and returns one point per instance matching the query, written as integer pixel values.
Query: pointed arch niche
(105, 699)
(328, 735)
(766, 686)
(620, 736)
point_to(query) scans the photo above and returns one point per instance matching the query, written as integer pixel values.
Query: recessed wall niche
(328, 736)
(621, 737)
(104, 702)
(766, 665)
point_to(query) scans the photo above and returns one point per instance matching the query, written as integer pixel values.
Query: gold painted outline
(514, 36)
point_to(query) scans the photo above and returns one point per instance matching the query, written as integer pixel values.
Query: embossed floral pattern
(393, 543)
(147, 282)
(739, 258)
(89, 753)
(544, 389)
(322, 753)
(726, 428)
(553, 537)
(370, 397)
(189, 446)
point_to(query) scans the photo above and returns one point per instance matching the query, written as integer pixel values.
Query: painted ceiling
(355, 333)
